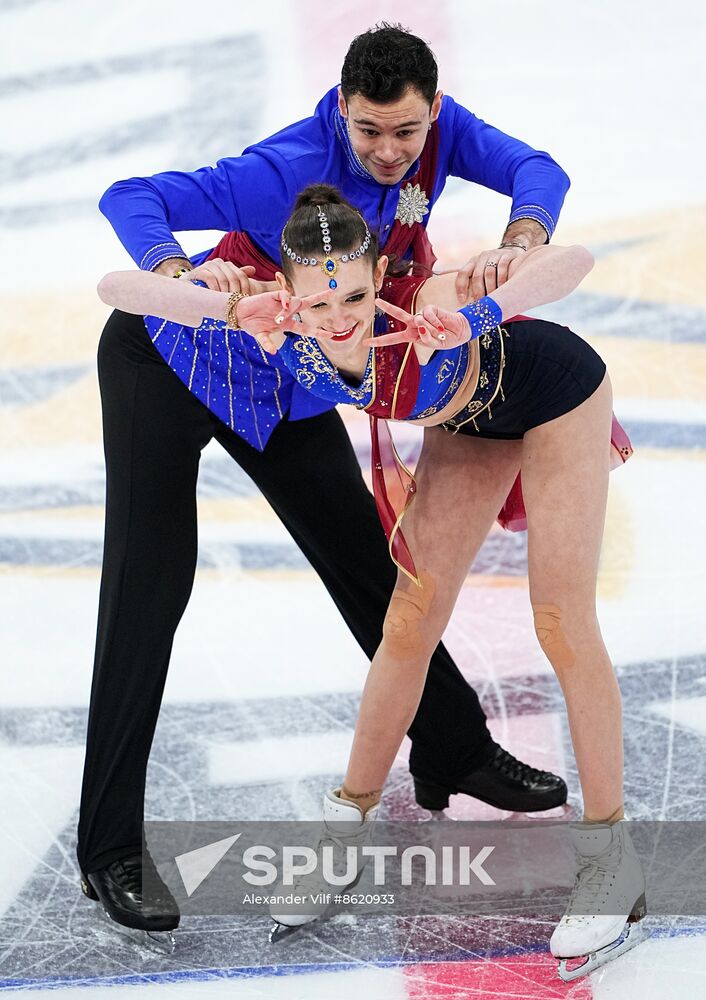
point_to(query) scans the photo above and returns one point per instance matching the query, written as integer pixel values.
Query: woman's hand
(270, 314)
(224, 276)
(433, 327)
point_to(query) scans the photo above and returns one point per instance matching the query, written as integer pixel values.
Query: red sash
(396, 385)
(239, 249)
(402, 236)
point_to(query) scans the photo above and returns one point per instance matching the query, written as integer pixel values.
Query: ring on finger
(441, 337)
(491, 263)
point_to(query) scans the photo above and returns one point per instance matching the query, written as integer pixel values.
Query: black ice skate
(118, 888)
(504, 782)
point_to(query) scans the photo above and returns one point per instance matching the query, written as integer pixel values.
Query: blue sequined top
(439, 378)
(250, 391)
(228, 371)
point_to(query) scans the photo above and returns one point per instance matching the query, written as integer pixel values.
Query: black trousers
(154, 431)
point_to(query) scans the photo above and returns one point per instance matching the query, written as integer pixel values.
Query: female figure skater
(498, 397)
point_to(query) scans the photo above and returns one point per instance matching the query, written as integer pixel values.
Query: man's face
(388, 138)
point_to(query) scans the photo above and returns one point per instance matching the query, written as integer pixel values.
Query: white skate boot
(344, 826)
(607, 901)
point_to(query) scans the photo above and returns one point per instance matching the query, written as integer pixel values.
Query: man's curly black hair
(382, 63)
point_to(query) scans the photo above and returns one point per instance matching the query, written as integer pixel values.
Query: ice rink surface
(254, 726)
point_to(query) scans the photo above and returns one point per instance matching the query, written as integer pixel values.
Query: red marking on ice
(518, 977)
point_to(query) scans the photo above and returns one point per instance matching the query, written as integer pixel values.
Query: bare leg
(462, 484)
(565, 465)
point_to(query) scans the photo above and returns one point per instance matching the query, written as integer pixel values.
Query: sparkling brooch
(412, 205)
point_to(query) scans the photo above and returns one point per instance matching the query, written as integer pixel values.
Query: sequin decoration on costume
(492, 360)
(228, 372)
(483, 317)
(437, 391)
(313, 370)
(444, 371)
(412, 205)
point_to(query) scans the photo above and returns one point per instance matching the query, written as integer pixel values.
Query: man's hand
(224, 276)
(485, 272)
(489, 269)
(433, 327)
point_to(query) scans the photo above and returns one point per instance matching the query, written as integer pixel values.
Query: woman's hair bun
(319, 194)
(303, 238)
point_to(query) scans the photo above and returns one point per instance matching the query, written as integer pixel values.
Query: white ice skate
(344, 826)
(607, 901)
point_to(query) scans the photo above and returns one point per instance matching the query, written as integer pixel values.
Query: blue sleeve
(487, 156)
(242, 192)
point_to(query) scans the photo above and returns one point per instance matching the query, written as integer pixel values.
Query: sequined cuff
(483, 316)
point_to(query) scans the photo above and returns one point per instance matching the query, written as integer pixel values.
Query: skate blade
(439, 816)
(631, 938)
(155, 942)
(279, 932)
(563, 813)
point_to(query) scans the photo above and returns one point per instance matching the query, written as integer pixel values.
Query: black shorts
(548, 371)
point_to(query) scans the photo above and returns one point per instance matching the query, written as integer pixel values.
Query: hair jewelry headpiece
(329, 265)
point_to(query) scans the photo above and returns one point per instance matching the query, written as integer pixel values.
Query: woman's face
(349, 309)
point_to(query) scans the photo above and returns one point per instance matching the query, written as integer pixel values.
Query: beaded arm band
(483, 316)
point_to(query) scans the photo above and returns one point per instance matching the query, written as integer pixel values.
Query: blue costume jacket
(255, 193)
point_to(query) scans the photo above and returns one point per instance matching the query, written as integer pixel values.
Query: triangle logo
(195, 866)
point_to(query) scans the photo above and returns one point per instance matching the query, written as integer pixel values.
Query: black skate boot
(118, 888)
(503, 782)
